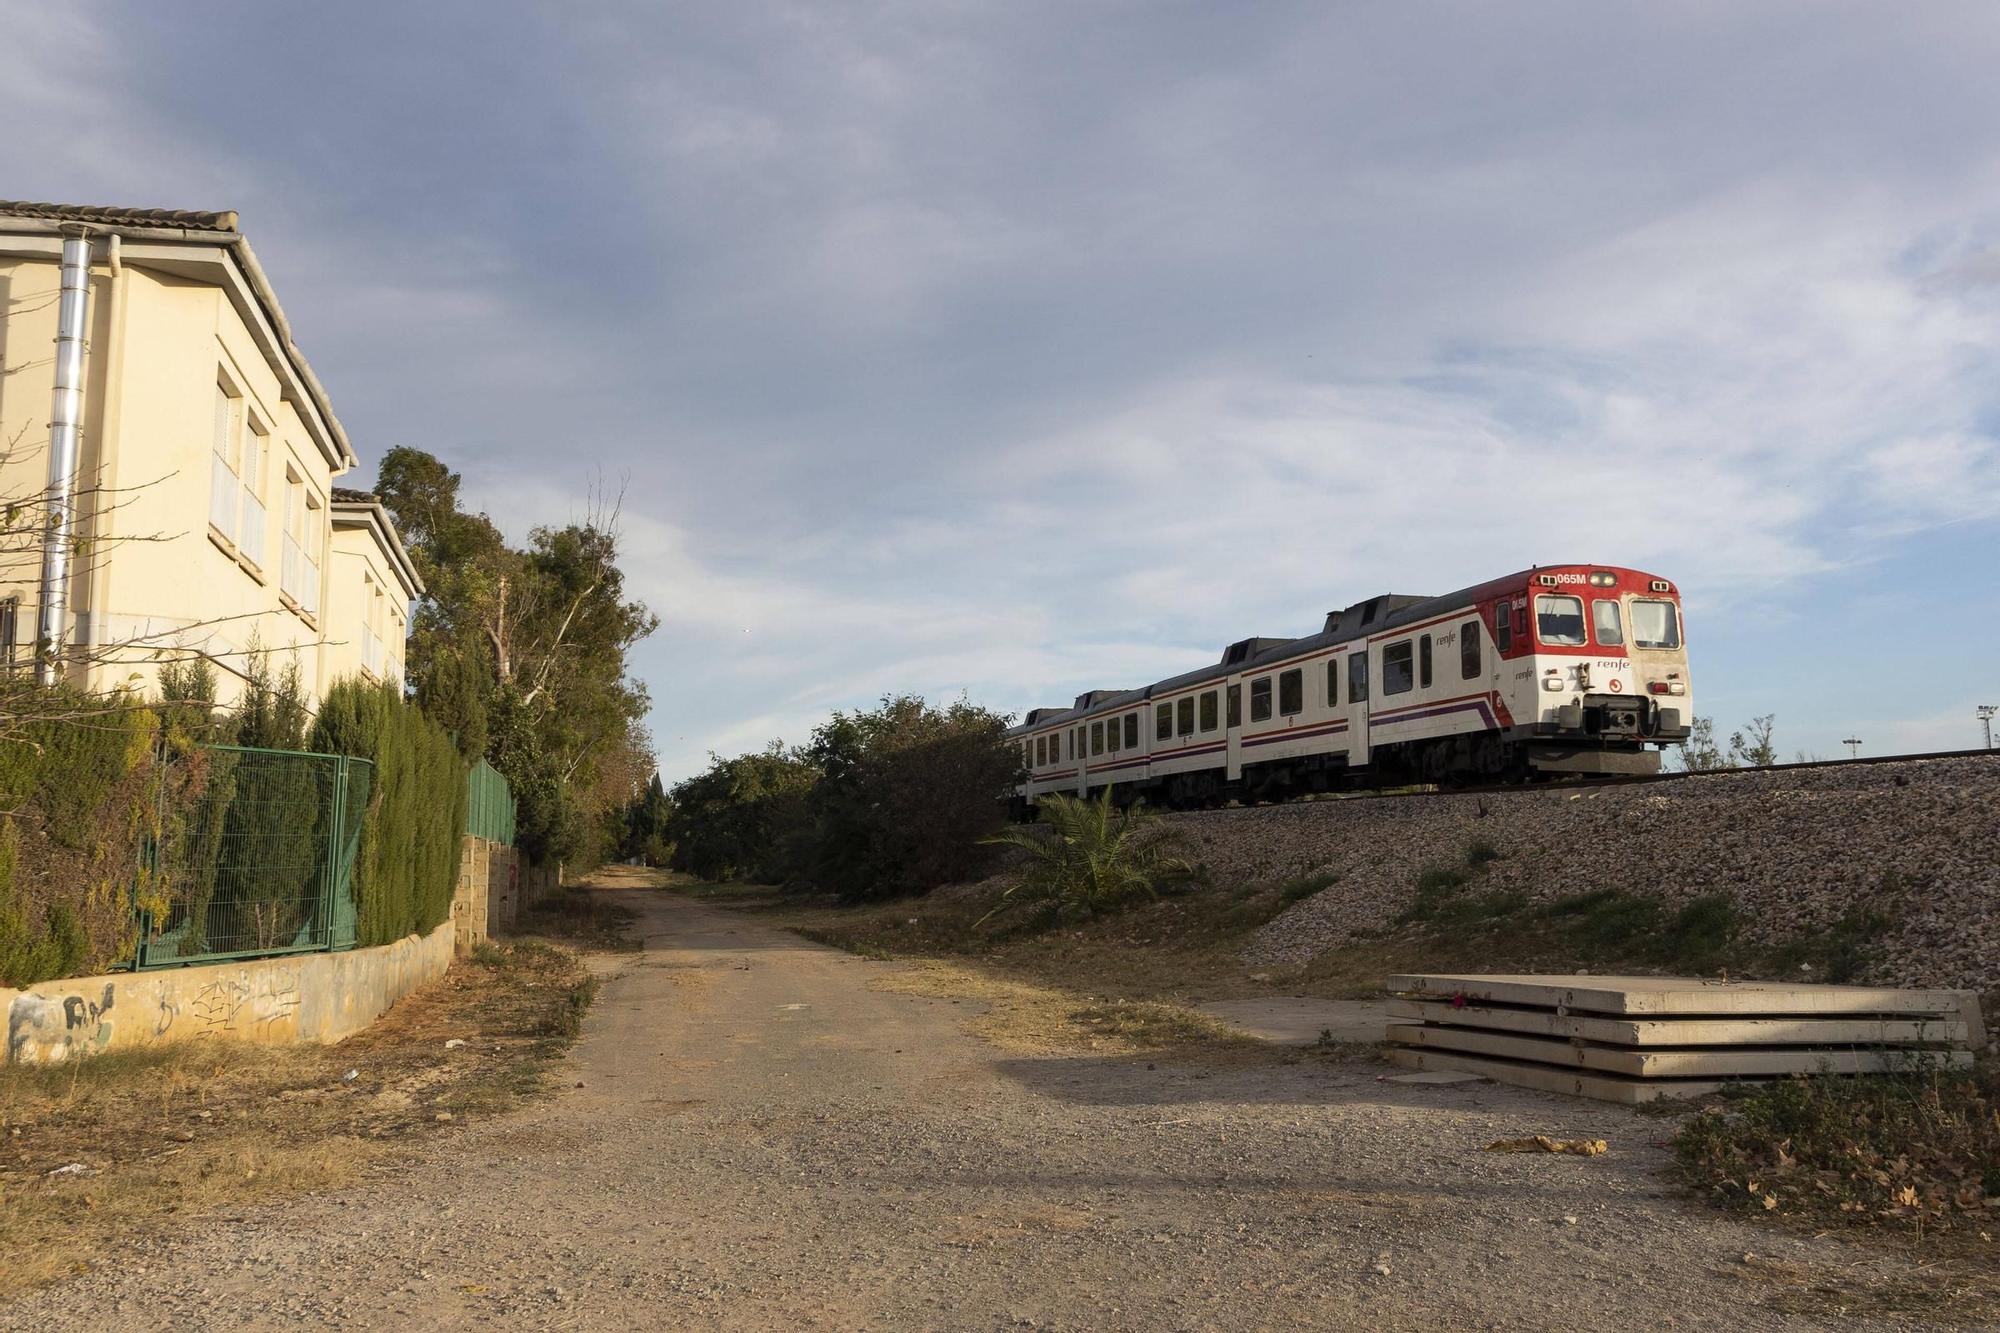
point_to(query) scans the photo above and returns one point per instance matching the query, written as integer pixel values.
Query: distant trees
(521, 654)
(891, 801)
(1750, 747)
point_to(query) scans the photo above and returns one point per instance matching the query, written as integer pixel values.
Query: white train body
(1558, 669)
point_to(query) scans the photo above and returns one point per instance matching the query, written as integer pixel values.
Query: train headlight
(1553, 684)
(1602, 578)
(1668, 687)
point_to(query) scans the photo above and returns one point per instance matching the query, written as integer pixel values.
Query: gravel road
(755, 1139)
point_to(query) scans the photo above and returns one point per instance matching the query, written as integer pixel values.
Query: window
(1235, 705)
(1111, 734)
(1357, 676)
(1131, 731)
(1655, 625)
(1097, 738)
(1209, 713)
(1468, 649)
(1503, 628)
(299, 575)
(1424, 662)
(1606, 625)
(1260, 699)
(1397, 677)
(1559, 619)
(1079, 741)
(1184, 715)
(1027, 754)
(1163, 722)
(1292, 692)
(256, 460)
(1333, 682)
(1041, 750)
(227, 446)
(10, 625)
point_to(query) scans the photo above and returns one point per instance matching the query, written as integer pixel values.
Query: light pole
(1986, 712)
(1853, 744)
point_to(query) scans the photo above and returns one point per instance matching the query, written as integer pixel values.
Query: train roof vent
(1092, 698)
(1245, 649)
(1373, 611)
(1037, 714)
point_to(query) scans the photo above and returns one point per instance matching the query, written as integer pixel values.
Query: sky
(1008, 349)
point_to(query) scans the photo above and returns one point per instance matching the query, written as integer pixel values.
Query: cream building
(205, 515)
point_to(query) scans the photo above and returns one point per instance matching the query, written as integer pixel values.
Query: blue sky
(1014, 348)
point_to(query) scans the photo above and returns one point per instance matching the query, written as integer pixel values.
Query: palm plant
(1088, 857)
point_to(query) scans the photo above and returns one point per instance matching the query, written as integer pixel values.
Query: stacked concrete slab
(1636, 1039)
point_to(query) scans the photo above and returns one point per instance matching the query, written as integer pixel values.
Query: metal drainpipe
(65, 434)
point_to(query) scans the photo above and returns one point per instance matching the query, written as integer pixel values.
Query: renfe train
(1558, 669)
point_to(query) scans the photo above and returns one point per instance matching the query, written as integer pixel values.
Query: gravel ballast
(1796, 849)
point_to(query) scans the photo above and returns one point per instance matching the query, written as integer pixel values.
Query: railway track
(1588, 783)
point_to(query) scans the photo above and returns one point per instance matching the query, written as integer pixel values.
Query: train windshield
(1655, 625)
(1559, 620)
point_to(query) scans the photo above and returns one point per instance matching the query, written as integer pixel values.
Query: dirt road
(755, 1139)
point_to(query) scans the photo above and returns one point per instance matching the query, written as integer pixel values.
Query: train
(1557, 669)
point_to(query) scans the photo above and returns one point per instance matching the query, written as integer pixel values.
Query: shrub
(726, 822)
(1921, 1148)
(79, 790)
(408, 863)
(1091, 857)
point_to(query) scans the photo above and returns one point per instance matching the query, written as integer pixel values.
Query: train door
(1232, 723)
(1360, 679)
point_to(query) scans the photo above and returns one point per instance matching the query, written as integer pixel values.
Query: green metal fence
(260, 862)
(489, 806)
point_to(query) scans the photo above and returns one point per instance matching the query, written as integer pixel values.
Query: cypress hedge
(408, 864)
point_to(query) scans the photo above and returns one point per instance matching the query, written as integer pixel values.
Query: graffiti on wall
(43, 1027)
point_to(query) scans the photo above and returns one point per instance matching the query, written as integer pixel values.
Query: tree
(1088, 857)
(1699, 752)
(522, 654)
(1752, 747)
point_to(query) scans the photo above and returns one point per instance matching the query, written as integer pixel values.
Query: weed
(1839, 953)
(1917, 1149)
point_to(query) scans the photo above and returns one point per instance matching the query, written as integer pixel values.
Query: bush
(408, 863)
(1091, 857)
(78, 794)
(727, 822)
(1921, 1148)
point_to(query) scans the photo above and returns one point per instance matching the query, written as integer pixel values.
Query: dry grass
(176, 1132)
(1033, 1019)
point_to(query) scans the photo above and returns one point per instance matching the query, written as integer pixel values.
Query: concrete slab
(1437, 1076)
(1708, 1062)
(1677, 995)
(1300, 1020)
(1842, 1030)
(1570, 1082)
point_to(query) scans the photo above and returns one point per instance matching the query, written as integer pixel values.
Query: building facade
(204, 515)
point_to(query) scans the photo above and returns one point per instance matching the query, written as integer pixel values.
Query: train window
(1041, 750)
(1292, 692)
(1606, 625)
(1209, 721)
(1111, 734)
(1655, 625)
(1357, 676)
(1397, 677)
(1163, 722)
(1424, 662)
(1260, 699)
(1559, 619)
(1078, 742)
(1131, 731)
(1468, 649)
(1184, 715)
(1097, 738)
(1503, 628)
(1235, 705)
(1333, 682)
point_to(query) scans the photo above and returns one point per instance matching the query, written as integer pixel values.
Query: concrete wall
(319, 997)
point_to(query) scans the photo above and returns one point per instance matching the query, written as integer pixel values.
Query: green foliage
(727, 822)
(1699, 752)
(647, 835)
(522, 654)
(1615, 923)
(78, 788)
(270, 820)
(1305, 886)
(906, 794)
(1841, 952)
(1752, 747)
(1442, 891)
(408, 863)
(1088, 857)
(1917, 1149)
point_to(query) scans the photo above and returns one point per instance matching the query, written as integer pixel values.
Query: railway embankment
(1901, 858)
